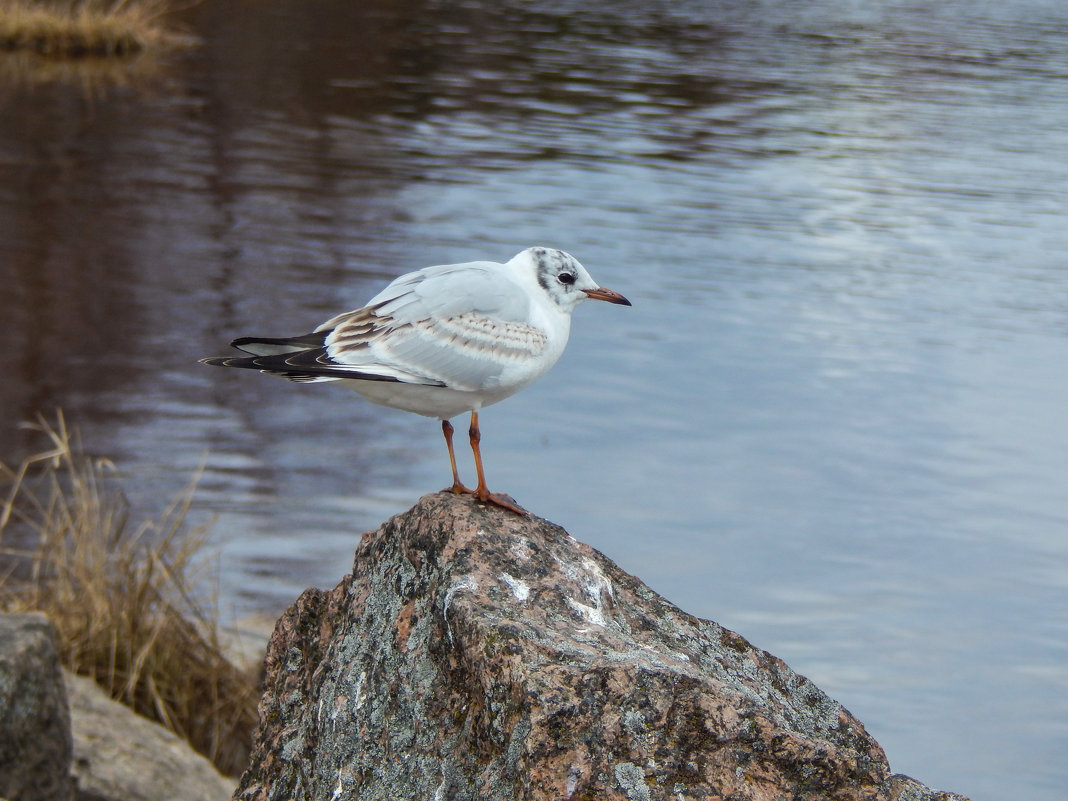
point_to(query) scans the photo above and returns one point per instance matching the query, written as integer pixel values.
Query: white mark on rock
(596, 587)
(465, 583)
(591, 613)
(596, 581)
(358, 700)
(520, 589)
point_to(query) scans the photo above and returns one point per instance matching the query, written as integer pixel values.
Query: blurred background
(833, 421)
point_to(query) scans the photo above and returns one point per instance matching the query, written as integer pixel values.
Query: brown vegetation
(122, 598)
(85, 28)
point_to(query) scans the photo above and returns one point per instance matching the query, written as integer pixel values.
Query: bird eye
(566, 278)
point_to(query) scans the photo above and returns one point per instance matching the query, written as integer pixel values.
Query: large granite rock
(474, 654)
(35, 739)
(121, 756)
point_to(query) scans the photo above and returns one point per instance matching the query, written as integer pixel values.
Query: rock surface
(121, 756)
(474, 654)
(35, 739)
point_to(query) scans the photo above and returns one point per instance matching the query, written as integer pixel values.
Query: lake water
(834, 419)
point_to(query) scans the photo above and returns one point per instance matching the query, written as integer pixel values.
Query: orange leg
(457, 486)
(482, 491)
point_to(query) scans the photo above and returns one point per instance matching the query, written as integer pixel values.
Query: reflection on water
(833, 419)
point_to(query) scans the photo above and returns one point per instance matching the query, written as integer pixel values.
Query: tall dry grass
(87, 28)
(123, 597)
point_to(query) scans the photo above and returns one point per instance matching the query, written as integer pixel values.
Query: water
(834, 419)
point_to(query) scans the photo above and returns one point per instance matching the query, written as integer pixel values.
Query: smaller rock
(35, 739)
(121, 756)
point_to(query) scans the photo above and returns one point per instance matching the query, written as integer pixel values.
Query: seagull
(442, 341)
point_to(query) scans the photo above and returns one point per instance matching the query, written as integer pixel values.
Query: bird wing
(457, 326)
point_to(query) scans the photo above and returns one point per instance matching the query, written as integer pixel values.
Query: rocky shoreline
(472, 654)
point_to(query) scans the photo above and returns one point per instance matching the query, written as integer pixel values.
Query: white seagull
(442, 340)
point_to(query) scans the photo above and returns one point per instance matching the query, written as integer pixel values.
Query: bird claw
(502, 500)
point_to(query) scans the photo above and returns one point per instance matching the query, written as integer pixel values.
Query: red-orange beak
(600, 293)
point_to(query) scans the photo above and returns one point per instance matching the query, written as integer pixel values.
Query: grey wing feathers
(460, 333)
(304, 359)
(463, 321)
(434, 292)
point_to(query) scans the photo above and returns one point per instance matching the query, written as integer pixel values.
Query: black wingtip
(279, 344)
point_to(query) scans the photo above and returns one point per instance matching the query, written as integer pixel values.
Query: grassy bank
(122, 597)
(85, 28)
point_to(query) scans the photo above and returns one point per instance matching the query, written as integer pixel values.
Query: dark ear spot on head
(543, 276)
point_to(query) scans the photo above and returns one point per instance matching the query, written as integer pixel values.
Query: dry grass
(86, 28)
(122, 597)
